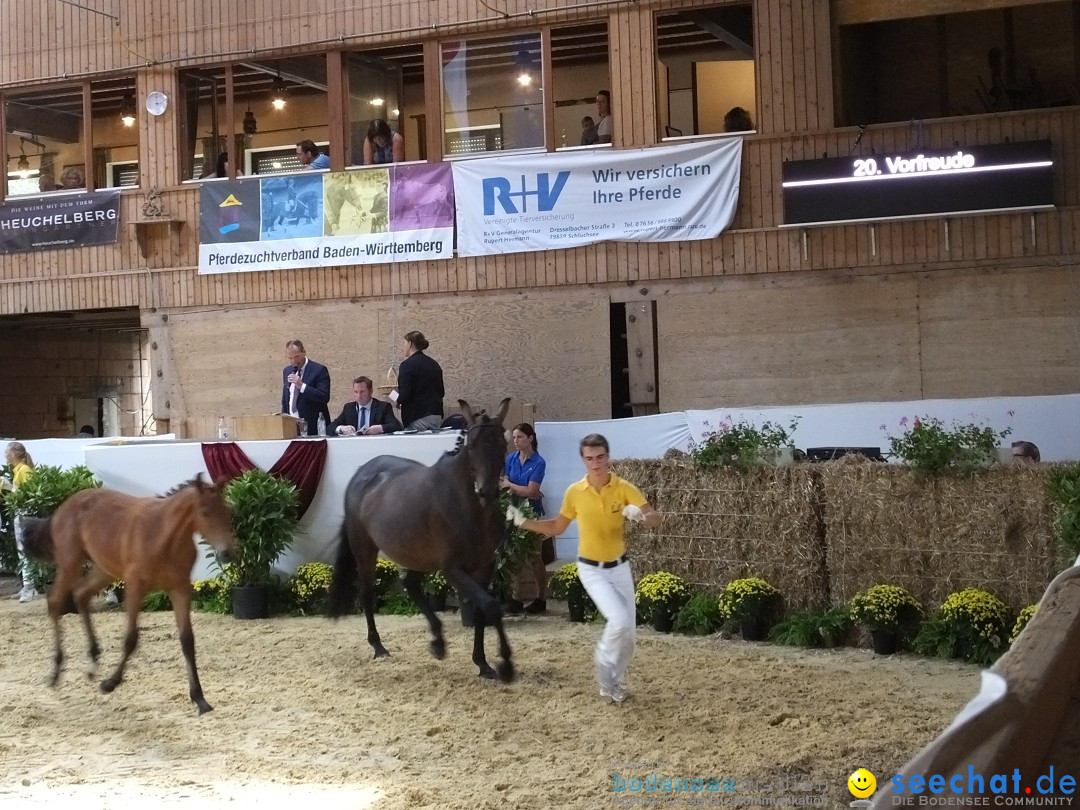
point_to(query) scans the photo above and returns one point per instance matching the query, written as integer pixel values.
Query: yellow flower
(885, 607)
(749, 598)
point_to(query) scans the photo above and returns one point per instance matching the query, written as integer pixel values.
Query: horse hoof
(108, 685)
(380, 653)
(438, 649)
(488, 673)
(204, 707)
(54, 679)
(506, 672)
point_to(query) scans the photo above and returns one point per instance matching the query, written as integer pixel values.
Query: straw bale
(822, 532)
(720, 525)
(935, 535)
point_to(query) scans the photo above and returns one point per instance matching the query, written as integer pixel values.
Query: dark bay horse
(147, 542)
(444, 517)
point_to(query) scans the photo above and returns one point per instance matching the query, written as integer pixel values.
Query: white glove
(634, 513)
(515, 515)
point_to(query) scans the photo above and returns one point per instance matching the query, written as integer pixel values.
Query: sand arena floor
(302, 714)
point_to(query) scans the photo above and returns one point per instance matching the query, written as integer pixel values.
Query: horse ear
(222, 481)
(466, 411)
(504, 406)
(198, 482)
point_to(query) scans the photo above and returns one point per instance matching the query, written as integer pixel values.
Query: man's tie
(363, 417)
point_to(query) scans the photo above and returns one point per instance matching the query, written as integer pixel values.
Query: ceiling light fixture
(377, 102)
(524, 79)
(127, 110)
(277, 93)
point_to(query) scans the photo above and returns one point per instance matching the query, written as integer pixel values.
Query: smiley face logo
(862, 784)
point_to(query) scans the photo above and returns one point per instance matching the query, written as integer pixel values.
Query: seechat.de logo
(861, 784)
(500, 190)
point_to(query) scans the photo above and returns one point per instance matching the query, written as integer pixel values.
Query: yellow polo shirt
(19, 473)
(599, 516)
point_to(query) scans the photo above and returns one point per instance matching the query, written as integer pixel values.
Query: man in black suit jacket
(378, 416)
(305, 389)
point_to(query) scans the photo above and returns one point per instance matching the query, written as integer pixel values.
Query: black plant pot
(250, 602)
(662, 621)
(885, 642)
(437, 601)
(576, 609)
(466, 610)
(752, 629)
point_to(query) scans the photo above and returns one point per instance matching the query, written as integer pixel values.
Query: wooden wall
(971, 333)
(229, 362)
(46, 368)
(535, 325)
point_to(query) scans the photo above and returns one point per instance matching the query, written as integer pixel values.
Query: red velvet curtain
(302, 464)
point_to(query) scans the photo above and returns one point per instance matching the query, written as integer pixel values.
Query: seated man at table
(365, 416)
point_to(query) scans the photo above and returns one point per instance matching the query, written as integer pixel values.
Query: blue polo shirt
(521, 474)
(321, 162)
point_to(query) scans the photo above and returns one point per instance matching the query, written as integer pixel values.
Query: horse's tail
(343, 585)
(37, 539)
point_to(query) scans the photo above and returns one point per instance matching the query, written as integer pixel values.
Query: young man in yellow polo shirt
(602, 503)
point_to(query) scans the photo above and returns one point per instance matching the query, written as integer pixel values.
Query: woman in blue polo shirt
(524, 473)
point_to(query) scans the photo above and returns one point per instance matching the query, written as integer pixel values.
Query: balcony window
(493, 96)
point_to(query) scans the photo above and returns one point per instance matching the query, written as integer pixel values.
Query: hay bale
(936, 535)
(822, 532)
(720, 525)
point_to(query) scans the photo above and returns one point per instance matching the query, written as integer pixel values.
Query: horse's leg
(134, 591)
(413, 582)
(487, 612)
(366, 553)
(59, 593)
(181, 605)
(84, 590)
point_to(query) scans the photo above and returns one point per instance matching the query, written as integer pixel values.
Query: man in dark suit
(305, 389)
(365, 416)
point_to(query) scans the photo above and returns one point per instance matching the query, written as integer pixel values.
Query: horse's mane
(482, 420)
(179, 487)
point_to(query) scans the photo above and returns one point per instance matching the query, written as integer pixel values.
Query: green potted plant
(659, 598)
(753, 604)
(971, 624)
(565, 585)
(43, 491)
(700, 616)
(931, 448)
(741, 445)
(387, 581)
(264, 518)
(437, 588)
(309, 586)
(889, 612)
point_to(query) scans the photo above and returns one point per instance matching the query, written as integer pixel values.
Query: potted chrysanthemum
(659, 597)
(753, 604)
(564, 584)
(889, 612)
(970, 624)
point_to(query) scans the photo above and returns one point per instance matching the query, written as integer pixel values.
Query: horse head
(485, 446)
(213, 518)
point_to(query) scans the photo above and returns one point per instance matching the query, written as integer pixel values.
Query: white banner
(380, 214)
(326, 251)
(524, 203)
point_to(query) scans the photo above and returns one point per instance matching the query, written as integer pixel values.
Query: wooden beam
(88, 135)
(230, 123)
(548, 80)
(340, 134)
(433, 105)
(853, 12)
